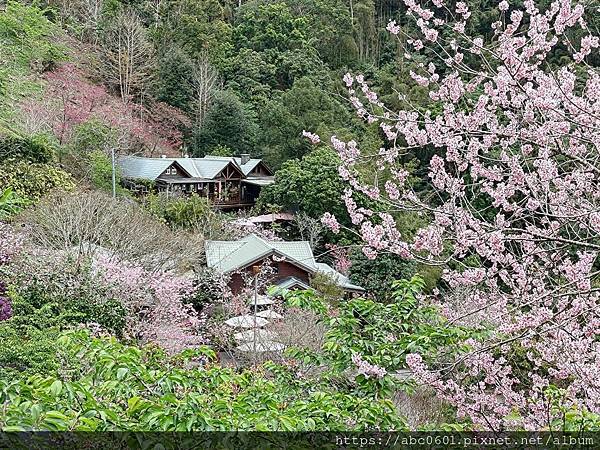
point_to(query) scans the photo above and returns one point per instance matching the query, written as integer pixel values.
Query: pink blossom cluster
(77, 100)
(341, 259)
(5, 303)
(10, 243)
(155, 303)
(241, 228)
(522, 137)
(314, 138)
(365, 368)
(330, 222)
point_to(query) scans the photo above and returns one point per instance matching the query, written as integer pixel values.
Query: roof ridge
(293, 242)
(264, 241)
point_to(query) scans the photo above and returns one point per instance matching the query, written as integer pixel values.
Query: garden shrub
(52, 291)
(37, 148)
(33, 181)
(10, 204)
(377, 275)
(192, 213)
(28, 349)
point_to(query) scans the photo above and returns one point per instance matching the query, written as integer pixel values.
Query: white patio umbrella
(246, 321)
(269, 314)
(261, 300)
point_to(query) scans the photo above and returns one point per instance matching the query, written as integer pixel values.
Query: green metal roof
(229, 256)
(207, 167)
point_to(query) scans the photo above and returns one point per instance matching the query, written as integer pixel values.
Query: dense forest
(439, 157)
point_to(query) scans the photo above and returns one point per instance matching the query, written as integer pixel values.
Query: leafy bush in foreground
(114, 386)
(27, 349)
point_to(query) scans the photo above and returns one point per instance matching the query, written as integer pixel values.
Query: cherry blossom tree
(71, 99)
(155, 302)
(514, 187)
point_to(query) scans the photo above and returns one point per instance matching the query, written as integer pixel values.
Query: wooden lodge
(229, 182)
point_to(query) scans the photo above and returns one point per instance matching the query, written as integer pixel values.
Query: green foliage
(304, 107)
(174, 78)
(117, 387)
(222, 150)
(31, 181)
(27, 29)
(61, 294)
(26, 46)
(198, 26)
(91, 136)
(377, 275)
(101, 172)
(270, 26)
(88, 155)
(569, 418)
(251, 76)
(381, 333)
(192, 213)
(229, 123)
(27, 349)
(37, 148)
(277, 43)
(311, 184)
(327, 287)
(10, 204)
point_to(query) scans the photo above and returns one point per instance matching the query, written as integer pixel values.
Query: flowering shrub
(156, 311)
(54, 290)
(78, 100)
(10, 244)
(514, 186)
(5, 304)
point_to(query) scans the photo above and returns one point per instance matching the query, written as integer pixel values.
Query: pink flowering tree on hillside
(514, 186)
(71, 99)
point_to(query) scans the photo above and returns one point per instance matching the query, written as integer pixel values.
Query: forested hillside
(196, 77)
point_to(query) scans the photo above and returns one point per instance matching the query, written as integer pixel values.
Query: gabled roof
(246, 168)
(229, 256)
(207, 167)
(289, 283)
(146, 168)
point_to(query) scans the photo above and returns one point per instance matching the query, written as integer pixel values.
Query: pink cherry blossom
(513, 187)
(315, 139)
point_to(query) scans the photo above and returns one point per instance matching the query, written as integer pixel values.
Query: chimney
(245, 158)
